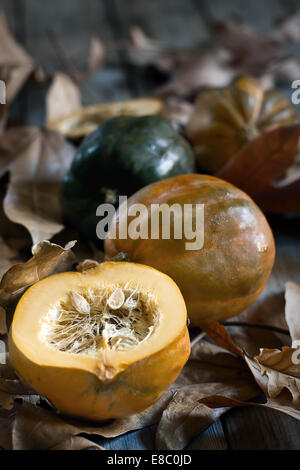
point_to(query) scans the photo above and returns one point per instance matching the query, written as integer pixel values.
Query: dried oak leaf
(63, 98)
(263, 160)
(15, 63)
(33, 196)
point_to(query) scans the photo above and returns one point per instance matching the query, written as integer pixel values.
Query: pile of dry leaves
(221, 374)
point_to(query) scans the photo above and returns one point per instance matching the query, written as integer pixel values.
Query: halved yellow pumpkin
(101, 344)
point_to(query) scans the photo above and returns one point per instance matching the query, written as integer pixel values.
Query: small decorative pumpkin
(228, 273)
(101, 344)
(227, 118)
(123, 155)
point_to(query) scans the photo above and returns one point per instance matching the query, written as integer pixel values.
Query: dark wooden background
(177, 23)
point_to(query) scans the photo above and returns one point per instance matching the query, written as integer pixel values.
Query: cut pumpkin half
(101, 344)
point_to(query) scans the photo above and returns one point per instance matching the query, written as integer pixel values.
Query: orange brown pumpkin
(101, 344)
(229, 272)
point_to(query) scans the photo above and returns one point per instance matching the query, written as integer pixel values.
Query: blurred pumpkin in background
(225, 119)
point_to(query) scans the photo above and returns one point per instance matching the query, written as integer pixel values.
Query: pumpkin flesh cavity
(109, 317)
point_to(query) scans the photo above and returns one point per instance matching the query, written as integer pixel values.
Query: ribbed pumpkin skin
(227, 118)
(126, 153)
(229, 272)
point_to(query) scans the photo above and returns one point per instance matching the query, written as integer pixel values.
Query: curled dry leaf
(63, 98)
(276, 371)
(33, 196)
(15, 64)
(47, 259)
(282, 372)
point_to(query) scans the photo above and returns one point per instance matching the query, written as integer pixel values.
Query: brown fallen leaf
(15, 63)
(276, 371)
(36, 428)
(219, 401)
(210, 370)
(13, 142)
(262, 160)
(63, 98)
(47, 258)
(33, 196)
(77, 443)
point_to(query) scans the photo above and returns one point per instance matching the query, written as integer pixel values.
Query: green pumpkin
(123, 155)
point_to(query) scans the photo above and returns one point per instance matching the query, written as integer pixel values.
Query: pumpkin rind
(227, 118)
(111, 384)
(229, 272)
(123, 155)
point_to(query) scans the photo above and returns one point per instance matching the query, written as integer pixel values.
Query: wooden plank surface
(178, 24)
